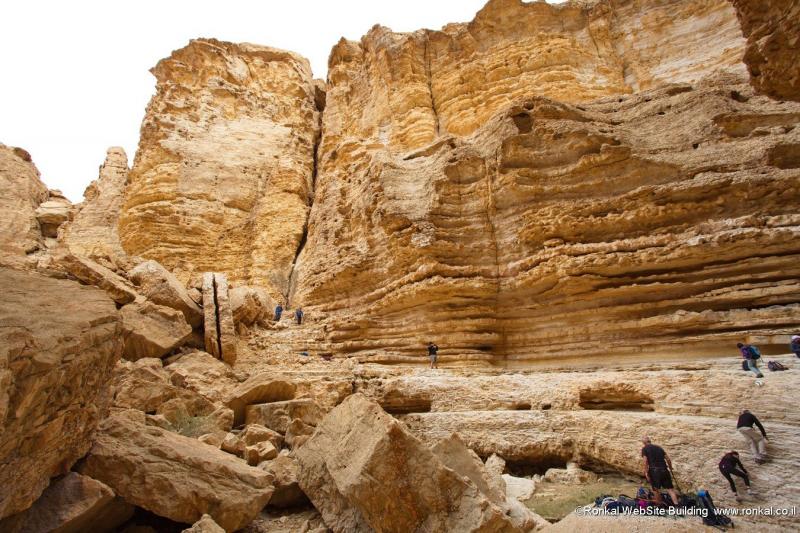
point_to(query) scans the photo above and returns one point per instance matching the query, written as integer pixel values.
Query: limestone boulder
(203, 373)
(360, 458)
(260, 452)
(23, 192)
(53, 213)
(174, 476)
(206, 524)
(152, 330)
(284, 469)
(72, 504)
(159, 286)
(278, 415)
(59, 342)
(456, 455)
(142, 385)
(250, 305)
(91, 273)
(519, 488)
(255, 433)
(220, 332)
(298, 433)
(194, 415)
(261, 388)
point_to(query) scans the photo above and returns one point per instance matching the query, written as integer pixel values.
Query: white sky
(76, 73)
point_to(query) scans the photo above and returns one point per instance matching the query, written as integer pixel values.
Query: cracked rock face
(227, 155)
(220, 333)
(59, 342)
(511, 217)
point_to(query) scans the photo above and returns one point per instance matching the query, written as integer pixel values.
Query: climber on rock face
(657, 469)
(751, 354)
(731, 465)
(757, 442)
(433, 354)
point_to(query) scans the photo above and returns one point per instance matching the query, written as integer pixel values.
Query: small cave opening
(546, 407)
(615, 398)
(485, 348)
(522, 406)
(537, 465)
(739, 97)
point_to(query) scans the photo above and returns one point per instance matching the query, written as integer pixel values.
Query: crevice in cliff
(430, 83)
(319, 103)
(499, 347)
(216, 314)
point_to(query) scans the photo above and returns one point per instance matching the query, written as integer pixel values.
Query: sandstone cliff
(223, 176)
(478, 197)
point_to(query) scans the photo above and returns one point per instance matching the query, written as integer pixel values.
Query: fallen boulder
(173, 476)
(72, 504)
(159, 286)
(206, 524)
(91, 273)
(59, 342)
(52, 213)
(278, 415)
(203, 373)
(220, 333)
(250, 305)
(284, 469)
(261, 388)
(152, 330)
(364, 471)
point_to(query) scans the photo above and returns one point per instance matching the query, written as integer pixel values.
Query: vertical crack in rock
(319, 103)
(499, 347)
(216, 314)
(428, 77)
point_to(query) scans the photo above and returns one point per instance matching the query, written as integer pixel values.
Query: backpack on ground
(754, 352)
(626, 502)
(775, 366)
(714, 518)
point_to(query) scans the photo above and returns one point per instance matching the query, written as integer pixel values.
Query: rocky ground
(585, 205)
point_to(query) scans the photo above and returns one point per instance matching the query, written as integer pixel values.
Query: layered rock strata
(773, 44)
(59, 342)
(656, 222)
(226, 154)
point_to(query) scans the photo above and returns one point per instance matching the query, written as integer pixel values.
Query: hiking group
(298, 314)
(658, 466)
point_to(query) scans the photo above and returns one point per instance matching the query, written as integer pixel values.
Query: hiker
(298, 315)
(433, 354)
(751, 355)
(795, 345)
(731, 465)
(278, 312)
(657, 470)
(757, 442)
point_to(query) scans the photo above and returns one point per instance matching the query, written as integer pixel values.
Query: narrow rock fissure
(216, 314)
(314, 167)
(499, 348)
(430, 84)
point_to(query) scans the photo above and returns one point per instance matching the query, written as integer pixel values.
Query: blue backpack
(753, 351)
(714, 518)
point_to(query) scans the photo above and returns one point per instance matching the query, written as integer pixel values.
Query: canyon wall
(223, 176)
(773, 44)
(529, 185)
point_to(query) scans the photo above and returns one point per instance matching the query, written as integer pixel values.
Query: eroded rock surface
(23, 192)
(772, 29)
(174, 476)
(360, 458)
(226, 152)
(59, 342)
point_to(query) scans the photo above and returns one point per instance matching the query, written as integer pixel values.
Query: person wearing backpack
(757, 441)
(751, 354)
(731, 465)
(657, 470)
(795, 345)
(433, 351)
